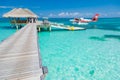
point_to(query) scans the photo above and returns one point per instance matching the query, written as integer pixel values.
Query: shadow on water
(8, 27)
(105, 37)
(112, 36)
(109, 27)
(97, 38)
(102, 27)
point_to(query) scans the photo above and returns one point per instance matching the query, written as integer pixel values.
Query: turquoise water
(5, 29)
(91, 54)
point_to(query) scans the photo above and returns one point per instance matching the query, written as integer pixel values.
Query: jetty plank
(19, 55)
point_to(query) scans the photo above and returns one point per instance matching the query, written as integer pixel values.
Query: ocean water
(91, 54)
(5, 29)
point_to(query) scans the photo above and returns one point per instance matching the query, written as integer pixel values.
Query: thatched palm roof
(20, 12)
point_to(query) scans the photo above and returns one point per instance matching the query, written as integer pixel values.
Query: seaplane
(82, 21)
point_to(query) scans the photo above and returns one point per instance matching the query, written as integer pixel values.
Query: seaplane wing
(83, 21)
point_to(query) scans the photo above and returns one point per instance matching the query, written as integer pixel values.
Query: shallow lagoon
(91, 54)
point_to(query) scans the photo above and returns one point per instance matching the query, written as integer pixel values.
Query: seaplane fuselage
(82, 21)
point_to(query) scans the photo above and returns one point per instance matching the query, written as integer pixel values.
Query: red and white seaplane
(82, 21)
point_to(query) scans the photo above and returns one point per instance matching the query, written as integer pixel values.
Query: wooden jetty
(19, 56)
(49, 25)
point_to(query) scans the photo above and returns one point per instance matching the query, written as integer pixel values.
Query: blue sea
(91, 54)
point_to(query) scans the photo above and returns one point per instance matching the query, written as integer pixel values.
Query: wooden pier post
(49, 28)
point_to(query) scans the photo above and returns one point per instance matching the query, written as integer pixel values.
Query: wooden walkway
(19, 56)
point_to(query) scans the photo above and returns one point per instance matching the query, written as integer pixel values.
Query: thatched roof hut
(15, 14)
(20, 13)
(21, 16)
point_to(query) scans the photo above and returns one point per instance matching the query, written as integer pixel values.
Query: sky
(65, 8)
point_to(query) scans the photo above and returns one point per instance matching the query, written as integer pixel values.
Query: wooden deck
(19, 56)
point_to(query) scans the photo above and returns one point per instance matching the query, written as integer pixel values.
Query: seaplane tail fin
(95, 18)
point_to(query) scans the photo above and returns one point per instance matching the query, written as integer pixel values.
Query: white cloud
(51, 15)
(68, 14)
(62, 14)
(6, 7)
(118, 13)
(88, 14)
(75, 14)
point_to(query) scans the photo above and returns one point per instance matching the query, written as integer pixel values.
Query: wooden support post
(10, 22)
(49, 28)
(39, 29)
(16, 24)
